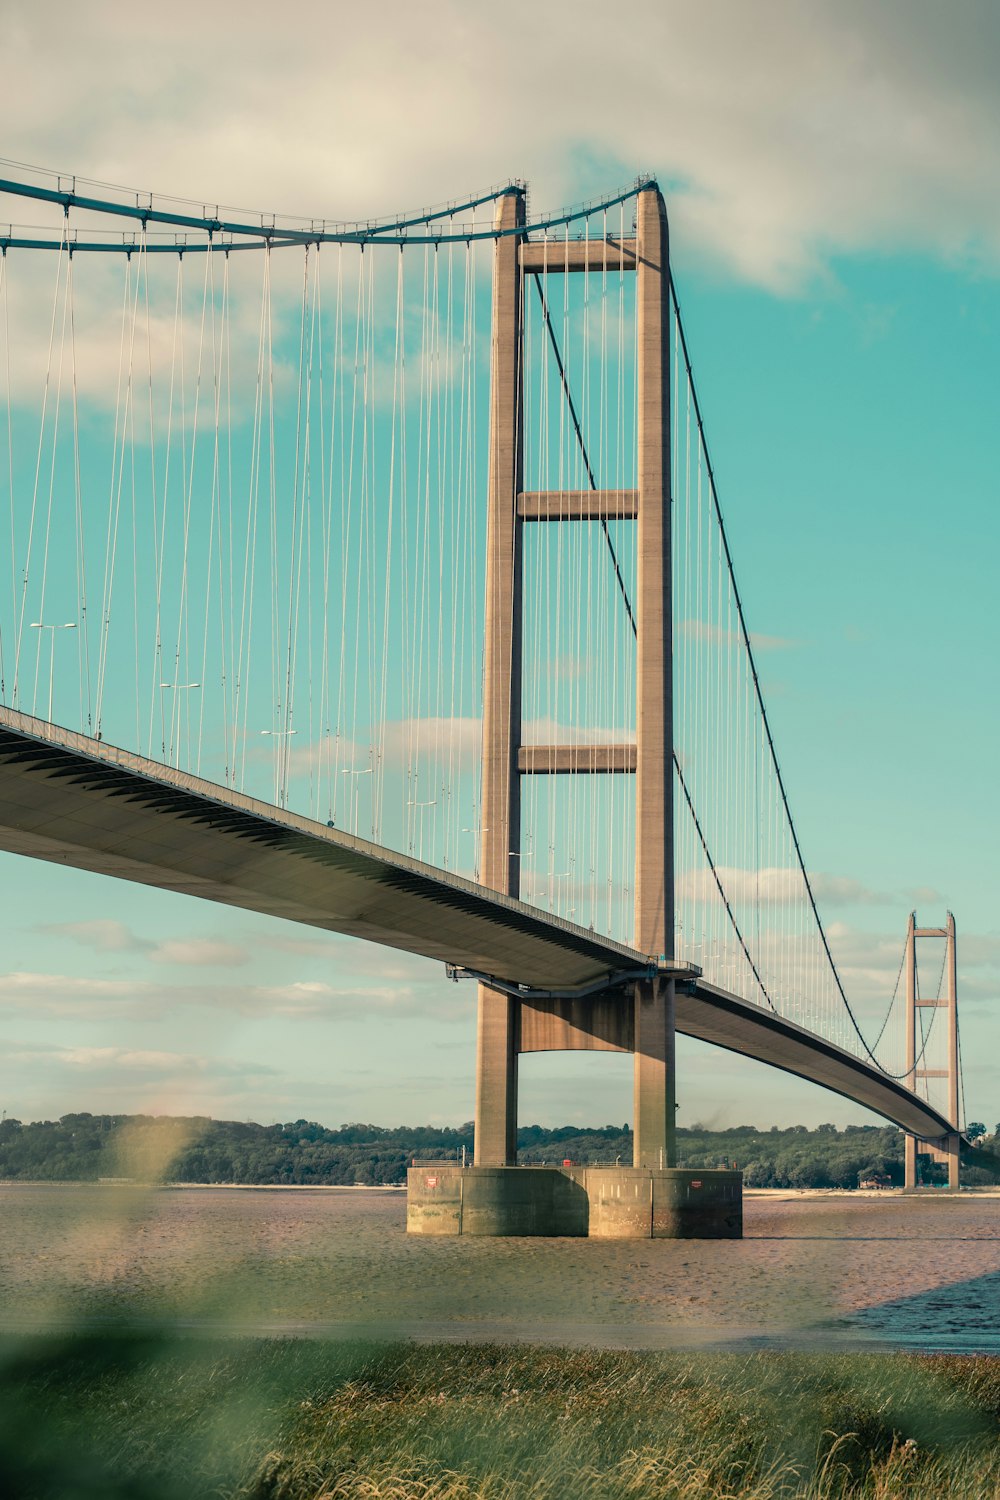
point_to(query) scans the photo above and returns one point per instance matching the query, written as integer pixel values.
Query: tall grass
(154, 1418)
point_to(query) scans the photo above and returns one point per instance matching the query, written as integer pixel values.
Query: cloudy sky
(833, 173)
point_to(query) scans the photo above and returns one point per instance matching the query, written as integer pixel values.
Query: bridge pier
(654, 1142)
(947, 1150)
(496, 1078)
(620, 1203)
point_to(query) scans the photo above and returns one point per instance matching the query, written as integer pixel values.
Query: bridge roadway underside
(76, 801)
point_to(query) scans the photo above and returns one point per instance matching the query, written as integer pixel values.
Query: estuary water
(814, 1271)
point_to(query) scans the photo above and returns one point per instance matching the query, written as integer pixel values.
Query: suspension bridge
(375, 576)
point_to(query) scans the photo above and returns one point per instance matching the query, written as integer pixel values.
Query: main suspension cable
(631, 616)
(757, 689)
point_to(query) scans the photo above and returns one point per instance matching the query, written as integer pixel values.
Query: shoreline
(792, 1195)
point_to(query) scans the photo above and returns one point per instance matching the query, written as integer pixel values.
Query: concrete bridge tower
(636, 1016)
(642, 1021)
(946, 1149)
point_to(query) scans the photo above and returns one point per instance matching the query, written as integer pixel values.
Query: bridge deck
(73, 800)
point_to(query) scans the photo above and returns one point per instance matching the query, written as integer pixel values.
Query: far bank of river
(815, 1270)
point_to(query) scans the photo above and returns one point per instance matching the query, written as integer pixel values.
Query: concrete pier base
(620, 1203)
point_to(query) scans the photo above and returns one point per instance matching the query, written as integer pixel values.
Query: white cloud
(117, 321)
(454, 740)
(352, 956)
(775, 887)
(925, 895)
(133, 1059)
(791, 130)
(122, 1079)
(354, 999)
(64, 994)
(105, 935)
(546, 731)
(715, 635)
(199, 953)
(843, 890)
(451, 740)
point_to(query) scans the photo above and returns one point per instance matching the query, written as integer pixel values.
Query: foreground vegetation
(154, 1418)
(86, 1148)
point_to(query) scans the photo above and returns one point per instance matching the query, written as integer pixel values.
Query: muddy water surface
(814, 1270)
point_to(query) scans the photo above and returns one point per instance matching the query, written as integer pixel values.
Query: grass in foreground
(155, 1418)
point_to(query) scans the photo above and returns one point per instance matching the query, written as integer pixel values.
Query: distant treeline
(145, 1148)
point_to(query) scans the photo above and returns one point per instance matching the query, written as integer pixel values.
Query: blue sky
(836, 241)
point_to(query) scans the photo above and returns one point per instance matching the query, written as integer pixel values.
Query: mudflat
(815, 1270)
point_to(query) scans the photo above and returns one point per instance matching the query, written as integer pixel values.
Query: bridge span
(502, 619)
(71, 799)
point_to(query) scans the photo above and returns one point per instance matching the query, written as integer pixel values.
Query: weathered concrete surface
(677, 1203)
(600, 1202)
(555, 255)
(591, 1023)
(496, 1201)
(655, 1014)
(500, 836)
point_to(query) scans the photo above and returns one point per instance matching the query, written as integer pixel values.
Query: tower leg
(910, 960)
(496, 1079)
(500, 824)
(954, 1142)
(655, 1129)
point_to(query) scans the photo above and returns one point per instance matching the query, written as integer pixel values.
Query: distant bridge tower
(948, 1149)
(641, 1017)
